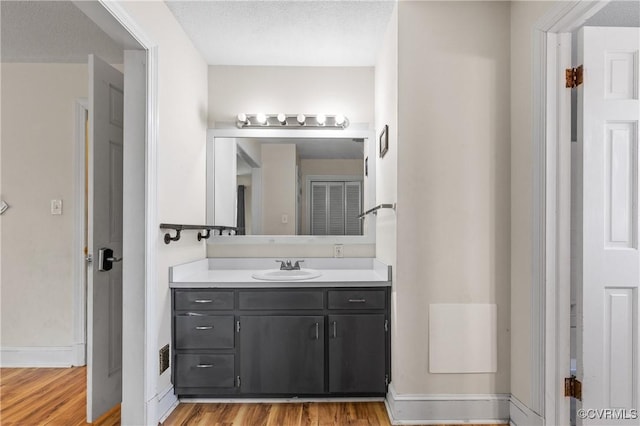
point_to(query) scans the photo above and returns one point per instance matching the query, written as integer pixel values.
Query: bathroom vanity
(237, 336)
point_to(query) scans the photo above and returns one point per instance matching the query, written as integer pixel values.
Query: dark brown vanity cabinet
(281, 342)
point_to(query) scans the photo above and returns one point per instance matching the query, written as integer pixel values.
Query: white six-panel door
(608, 323)
(104, 295)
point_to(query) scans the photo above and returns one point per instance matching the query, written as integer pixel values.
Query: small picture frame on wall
(384, 140)
(366, 166)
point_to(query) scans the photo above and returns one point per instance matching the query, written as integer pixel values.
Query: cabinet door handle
(334, 325)
(357, 300)
(204, 366)
(204, 327)
(317, 331)
(203, 301)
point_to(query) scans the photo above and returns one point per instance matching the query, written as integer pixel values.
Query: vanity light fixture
(292, 121)
(242, 118)
(261, 119)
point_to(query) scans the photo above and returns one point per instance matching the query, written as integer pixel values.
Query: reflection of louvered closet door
(335, 207)
(353, 203)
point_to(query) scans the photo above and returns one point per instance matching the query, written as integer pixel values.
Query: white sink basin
(284, 275)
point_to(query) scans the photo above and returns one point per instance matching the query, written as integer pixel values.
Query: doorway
(139, 202)
(554, 268)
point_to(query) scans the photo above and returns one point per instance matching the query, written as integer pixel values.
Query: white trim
(414, 409)
(234, 132)
(551, 166)
(79, 354)
(167, 402)
(79, 265)
(538, 229)
(37, 357)
(148, 345)
(521, 415)
(296, 400)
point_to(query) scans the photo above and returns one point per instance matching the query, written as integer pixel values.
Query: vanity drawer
(205, 300)
(288, 299)
(204, 332)
(356, 299)
(205, 370)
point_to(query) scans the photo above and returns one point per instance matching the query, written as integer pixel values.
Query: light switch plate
(338, 250)
(56, 207)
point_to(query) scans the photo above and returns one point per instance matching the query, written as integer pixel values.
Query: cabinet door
(282, 354)
(357, 354)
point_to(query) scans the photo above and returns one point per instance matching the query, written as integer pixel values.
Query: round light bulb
(321, 118)
(340, 120)
(301, 119)
(242, 118)
(282, 119)
(261, 118)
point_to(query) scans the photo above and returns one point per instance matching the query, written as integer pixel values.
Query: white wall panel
(463, 338)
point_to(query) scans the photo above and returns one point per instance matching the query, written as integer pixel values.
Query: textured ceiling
(293, 33)
(617, 14)
(334, 33)
(52, 31)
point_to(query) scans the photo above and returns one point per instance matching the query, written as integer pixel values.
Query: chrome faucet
(287, 266)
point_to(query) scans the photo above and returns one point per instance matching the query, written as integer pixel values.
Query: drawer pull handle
(203, 300)
(357, 300)
(204, 365)
(204, 327)
(317, 331)
(335, 329)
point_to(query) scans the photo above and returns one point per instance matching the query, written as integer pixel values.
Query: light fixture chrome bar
(291, 121)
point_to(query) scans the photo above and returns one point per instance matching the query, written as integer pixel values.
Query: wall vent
(164, 359)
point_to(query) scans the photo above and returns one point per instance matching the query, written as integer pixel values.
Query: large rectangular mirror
(290, 184)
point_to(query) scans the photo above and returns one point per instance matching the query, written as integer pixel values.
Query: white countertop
(237, 273)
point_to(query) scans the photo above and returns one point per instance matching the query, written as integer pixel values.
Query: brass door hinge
(573, 388)
(573, 76)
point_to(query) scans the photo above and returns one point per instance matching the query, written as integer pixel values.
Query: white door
(608, 323)
(104, 302)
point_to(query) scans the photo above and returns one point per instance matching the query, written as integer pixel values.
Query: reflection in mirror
(269, 186)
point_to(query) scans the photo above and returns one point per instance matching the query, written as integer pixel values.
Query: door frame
(79, 265)
(139, 374)
(551, 204)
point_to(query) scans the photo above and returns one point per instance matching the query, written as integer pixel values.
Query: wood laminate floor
(57, 396)
(47, 396)
(284, 414)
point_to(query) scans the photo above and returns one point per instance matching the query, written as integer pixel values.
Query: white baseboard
(167, 402)
(521, 415)
(37, 356)
(79, 354)
(447, 409)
